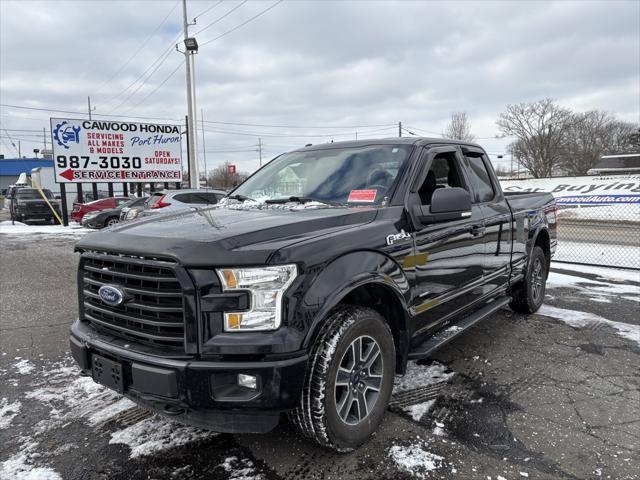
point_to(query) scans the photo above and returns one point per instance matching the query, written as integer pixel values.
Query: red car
(81, 209)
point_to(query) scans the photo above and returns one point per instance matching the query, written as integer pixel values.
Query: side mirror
(446, 204)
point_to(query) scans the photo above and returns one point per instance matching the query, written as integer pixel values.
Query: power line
(242, 24)
(221, 18)
(209, 9)
(139, 49)
(301, 126)
(144, 81)
(292, 135)
(173, 72)
(51, 110)
(11, 141)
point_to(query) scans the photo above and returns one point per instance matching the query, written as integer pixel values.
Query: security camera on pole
(191, 48)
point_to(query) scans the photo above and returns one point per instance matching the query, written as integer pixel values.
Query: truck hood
(224, 235)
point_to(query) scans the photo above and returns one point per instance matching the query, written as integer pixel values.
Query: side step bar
(444, 336)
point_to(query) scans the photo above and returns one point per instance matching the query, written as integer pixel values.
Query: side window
(183, 197)
(211, 198)
(481, 180)
(443, 173)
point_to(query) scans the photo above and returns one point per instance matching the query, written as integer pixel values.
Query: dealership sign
(107, 151)
(582, 190)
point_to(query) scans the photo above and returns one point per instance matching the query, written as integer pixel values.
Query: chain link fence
(607, 235)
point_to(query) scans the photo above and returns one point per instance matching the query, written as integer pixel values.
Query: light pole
(191, 47)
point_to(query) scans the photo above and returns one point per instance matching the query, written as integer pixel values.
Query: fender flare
(345, 274)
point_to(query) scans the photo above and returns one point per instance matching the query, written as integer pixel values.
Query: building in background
(623, 164)
(11, 168)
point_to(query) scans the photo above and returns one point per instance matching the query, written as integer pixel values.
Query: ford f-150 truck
(309, 287)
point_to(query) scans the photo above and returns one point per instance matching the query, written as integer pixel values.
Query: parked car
(27, 204)
(310, 287)
(81, 209)
(171, 201)
(111, 216)
(89, 197)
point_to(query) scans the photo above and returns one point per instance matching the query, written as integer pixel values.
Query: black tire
(111, 221)
(528, 295)
(318, 416)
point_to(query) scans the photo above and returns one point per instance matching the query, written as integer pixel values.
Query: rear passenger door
(497, 217)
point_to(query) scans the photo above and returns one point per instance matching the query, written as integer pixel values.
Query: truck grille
(153, 311)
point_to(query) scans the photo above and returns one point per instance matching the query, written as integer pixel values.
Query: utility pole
(260, 149)
(94, 185)
(191, 153)
(204, 149)
(89, 106)
(356, 135)
(44, 137)
(19, 150)
(400, 129)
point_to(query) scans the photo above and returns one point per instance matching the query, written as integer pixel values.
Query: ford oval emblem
(111, 295)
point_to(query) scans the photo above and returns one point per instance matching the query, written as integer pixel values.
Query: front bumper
(198, 392)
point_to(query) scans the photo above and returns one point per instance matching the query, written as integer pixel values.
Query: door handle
(478, 230)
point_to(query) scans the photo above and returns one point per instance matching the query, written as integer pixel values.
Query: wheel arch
(368, 279)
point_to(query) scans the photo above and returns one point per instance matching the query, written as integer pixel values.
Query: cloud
(320, 64)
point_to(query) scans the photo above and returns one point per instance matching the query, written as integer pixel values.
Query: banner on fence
(107, 151)
(594, 190)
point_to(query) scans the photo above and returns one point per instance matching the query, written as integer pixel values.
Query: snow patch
(240, 469)
(21, 229)
(157, 434)
(418, 411)
(110, 411)
(8, 412)
(604, 273)
(592, 287)
(421, 376)
(20, 466)
(578, 319)
(415, 460)
(24, 367)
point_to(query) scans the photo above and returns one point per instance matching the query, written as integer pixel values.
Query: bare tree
(591, 135)
(459, 128)
(220, 177)
(540, 129)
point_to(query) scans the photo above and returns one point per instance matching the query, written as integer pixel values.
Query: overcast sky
(328, 66)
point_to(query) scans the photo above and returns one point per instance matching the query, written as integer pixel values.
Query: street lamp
(191, 44)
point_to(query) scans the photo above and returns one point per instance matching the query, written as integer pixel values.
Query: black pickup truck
(309, 287)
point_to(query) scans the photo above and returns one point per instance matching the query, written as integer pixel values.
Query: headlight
(131, 214)
(266, 286)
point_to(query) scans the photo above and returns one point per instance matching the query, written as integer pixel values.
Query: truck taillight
(160, 203)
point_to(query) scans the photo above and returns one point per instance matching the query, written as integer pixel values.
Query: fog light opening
(248, 381)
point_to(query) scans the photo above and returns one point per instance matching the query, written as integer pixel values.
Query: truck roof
(387, 141)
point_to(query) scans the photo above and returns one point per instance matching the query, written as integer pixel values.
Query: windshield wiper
(240, 198)
(293, 199)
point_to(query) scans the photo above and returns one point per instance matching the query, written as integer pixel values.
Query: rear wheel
(349, 380)
(528, 295)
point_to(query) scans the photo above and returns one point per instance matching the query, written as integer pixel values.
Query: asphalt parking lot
(552, 395)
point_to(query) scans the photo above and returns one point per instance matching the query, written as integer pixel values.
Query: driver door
(448, 279)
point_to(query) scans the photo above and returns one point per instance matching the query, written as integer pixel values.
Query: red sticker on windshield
(363, 195)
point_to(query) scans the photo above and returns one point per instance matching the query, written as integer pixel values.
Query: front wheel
(111, 221)
(349, 380)
(528, 295)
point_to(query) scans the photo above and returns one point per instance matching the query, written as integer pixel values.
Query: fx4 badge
(397, 237)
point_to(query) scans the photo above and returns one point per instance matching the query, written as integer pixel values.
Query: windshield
(359, 175)
(29, 194)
